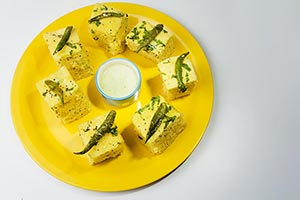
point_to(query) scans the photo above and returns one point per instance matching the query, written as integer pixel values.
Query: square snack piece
(109, 28)
(170, 79)
(64, 96)
(171, 125)
(73, 55)
(109, 146)
(160, 48)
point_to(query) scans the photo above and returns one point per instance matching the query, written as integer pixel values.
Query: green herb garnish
(135, 35)
(114, 131)
(157, 119)
(69, 89)
(185, 66)
(154, 100)
(143, 108)
(151, 47)
(149, 36)
(104, 7)
(178, 71)
(168, 120)
(71, 45)
(54, 86)
(64, 39)
(187, 78)
(105, 15)
(105, 127)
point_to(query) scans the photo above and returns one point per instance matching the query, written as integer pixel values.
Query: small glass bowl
(118, 80)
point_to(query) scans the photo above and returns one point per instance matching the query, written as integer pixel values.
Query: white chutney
(118, 80)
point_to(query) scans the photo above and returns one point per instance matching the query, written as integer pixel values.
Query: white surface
(251, 148)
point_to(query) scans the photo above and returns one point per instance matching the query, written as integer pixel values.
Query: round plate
(51, 144)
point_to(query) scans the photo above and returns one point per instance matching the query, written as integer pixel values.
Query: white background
(251, 148)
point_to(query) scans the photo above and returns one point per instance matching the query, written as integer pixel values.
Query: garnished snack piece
(109, 28)
(66, 49)
(105, 127)
(158, 124)
(64, 96)
(100, 138)
(178, 76)
(151, 41)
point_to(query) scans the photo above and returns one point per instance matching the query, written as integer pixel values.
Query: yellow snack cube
(169, 77)
(160, 48)
(108, 28)
(64, 96)
(73, 54)
(109, 146)
(171, 126)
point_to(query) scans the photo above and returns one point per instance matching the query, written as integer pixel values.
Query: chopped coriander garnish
(103, 7)
(187, 78)
(69, 89)
(168, 120)
(185, 66)
(71, 45)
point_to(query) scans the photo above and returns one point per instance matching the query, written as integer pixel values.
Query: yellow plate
(51, 144)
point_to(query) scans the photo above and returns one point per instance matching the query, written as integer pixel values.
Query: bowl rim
(132, 65)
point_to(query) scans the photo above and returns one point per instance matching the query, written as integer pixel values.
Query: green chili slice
(178, 71)
(157, 119)
(105, 127)
(150, 36)
(105, 15)
(64, 39)
(54, 86)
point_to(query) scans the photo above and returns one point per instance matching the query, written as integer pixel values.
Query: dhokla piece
(152, 42)
(110, 145)
(157, 124)
(171, 70)
(64, 96)
(109, 27)
(72, 54)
